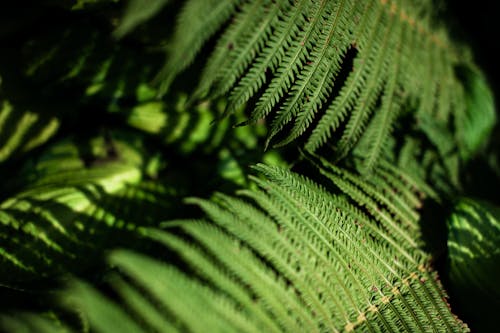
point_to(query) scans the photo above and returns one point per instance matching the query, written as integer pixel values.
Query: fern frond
(473, 254)
(373, 84)
(290, 66)
(314, 88)
(188, 129)
(174, 124)
(198, 21)
(31, 323)
(271, 56)
(397, 55)
(475, 120)
(65, 209)
(337, 111)
(90, 302)
(294, 260)
(231, 39)
(136, 12)
(255, 36)
(381, 125)
(471, 226)
(420, 156)
(80, 59)
(374, 199)
(23, 130)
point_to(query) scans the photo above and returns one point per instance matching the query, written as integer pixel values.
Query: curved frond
(294, 260)
(136, 12)
(476, 119)
(473, 238)
(189, 129)
(22, 130)
(349, 68)
(198, 21)
(68, 206)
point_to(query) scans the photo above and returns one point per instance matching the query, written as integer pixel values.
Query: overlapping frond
(68, 207)
(474, 235)
(439, 164)
(31, 323)
(104, 72)
(473, 238)
(79, 59)
(75, 60)
(22, 130)
(191, 128)
(342, 69)
(136, 12)
(197, 22)
(476, 119)
(376, 83)
(298, 259)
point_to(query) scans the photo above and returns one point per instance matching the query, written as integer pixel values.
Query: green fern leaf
(137, 12)
(396, 52)
(66, 208)
(473, 238)
(31, 323)
(292, 261)
(325, 61)
(476, 121)
(23, 130)
(270, 57)
(198, 21)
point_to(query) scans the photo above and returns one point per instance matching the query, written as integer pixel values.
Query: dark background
(477, 23)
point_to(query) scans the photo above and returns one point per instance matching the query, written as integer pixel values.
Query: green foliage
(374, 118)
(138, 11)
(23, 129)
(476, 125)
(474, 231)
(73, 204)
(333, 68)
(298, 259)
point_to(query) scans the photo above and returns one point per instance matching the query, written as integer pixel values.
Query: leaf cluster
(242, 165)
